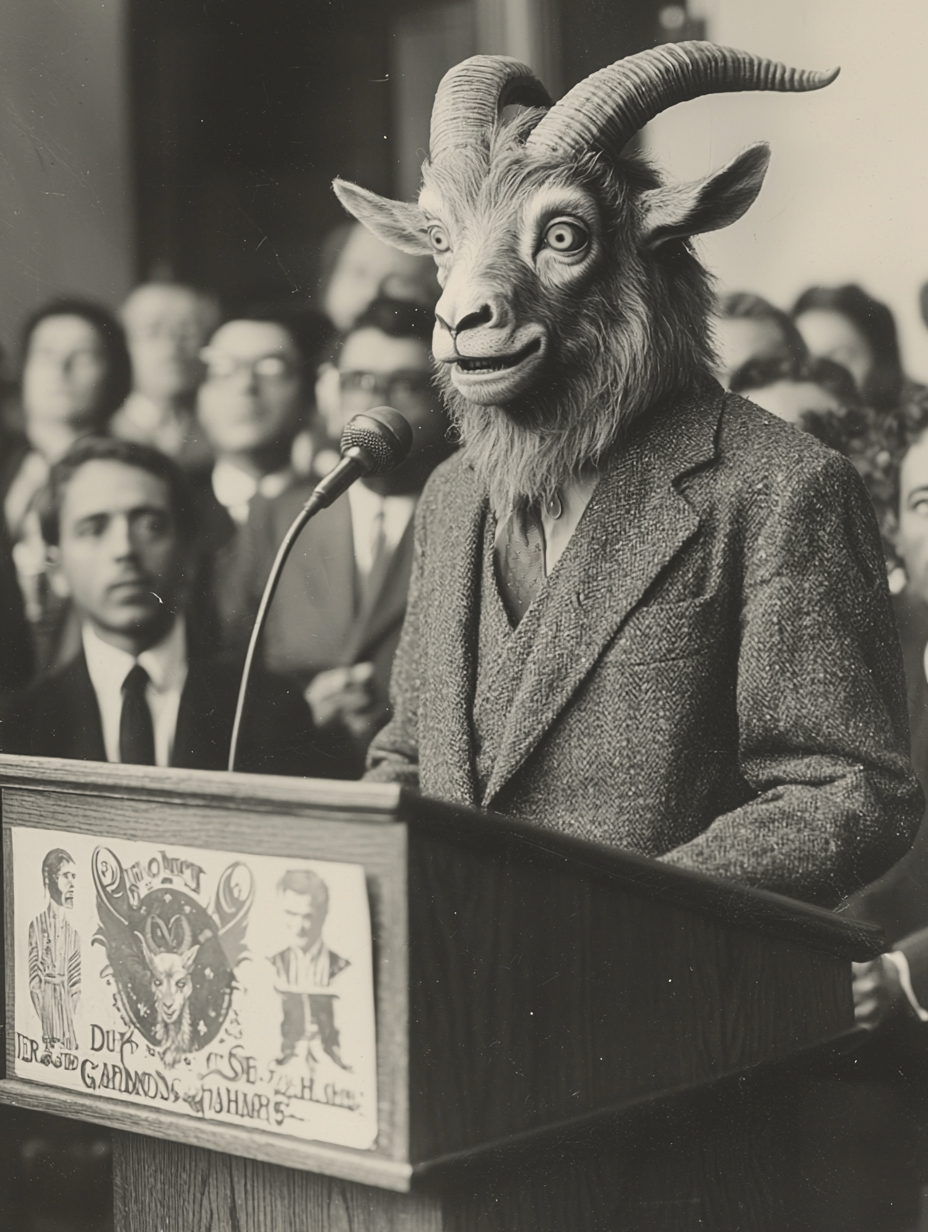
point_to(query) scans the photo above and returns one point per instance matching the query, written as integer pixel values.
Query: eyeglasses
(220, 366)
(397, 388)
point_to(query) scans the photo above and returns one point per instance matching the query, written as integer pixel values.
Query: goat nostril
(483, 316)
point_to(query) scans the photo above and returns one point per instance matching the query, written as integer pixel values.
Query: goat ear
(398, 223)
(188, 956)
(682, 210)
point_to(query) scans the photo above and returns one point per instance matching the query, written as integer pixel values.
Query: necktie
(521, 561)
(136, 730)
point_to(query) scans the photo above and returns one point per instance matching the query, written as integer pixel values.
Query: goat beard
(568, 427)
(175, 1037)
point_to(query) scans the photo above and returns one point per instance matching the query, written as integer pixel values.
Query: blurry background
(143, 138)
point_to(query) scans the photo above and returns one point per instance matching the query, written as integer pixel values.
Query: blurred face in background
(366, 268)
(64, 378)
(166, 327)
(250, 403)
(375, 369)
(830, 335)
(740, 339)
(912, 535)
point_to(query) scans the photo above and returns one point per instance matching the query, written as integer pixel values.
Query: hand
(345, 695)
(877, 991)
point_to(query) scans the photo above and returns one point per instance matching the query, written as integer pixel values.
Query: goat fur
(635, 335)
(630, 337)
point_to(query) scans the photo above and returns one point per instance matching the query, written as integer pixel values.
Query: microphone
(373, 443)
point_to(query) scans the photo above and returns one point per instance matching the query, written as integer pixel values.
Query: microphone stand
(312, 507)
(373, 442)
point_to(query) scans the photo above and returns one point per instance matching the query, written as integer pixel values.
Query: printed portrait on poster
(55, 957)
(223, 986)
(307, 970)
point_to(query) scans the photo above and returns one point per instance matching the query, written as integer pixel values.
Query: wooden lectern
(568, 1038)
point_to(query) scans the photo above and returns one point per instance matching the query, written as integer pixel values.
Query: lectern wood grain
(176, 1188)
(538, 997)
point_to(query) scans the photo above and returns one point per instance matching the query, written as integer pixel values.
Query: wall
(65, 211)
(845, 197)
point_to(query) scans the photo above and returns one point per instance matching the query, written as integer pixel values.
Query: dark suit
(15, 643)
(898, 902)
(59, 717)
(711, 674)
(304, 1014)
(318, 619)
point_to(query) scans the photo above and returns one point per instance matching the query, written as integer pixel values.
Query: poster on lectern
(231, 988)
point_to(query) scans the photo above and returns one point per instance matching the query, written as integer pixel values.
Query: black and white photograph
(463, 616)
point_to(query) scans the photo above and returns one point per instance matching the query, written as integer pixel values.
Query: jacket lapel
(385, 601)
(634, 525)
(446, 727)
(76, 729)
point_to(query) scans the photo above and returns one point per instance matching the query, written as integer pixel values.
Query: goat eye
(439, 239)
(565, 235)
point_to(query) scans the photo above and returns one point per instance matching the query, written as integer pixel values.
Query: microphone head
(383, 436)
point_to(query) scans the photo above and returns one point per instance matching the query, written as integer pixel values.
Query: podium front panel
(196, 965)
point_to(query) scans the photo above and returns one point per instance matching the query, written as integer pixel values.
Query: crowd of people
(151, 460)
(215, 424)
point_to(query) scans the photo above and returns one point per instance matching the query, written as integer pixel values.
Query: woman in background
(848, 326)
(75, 373)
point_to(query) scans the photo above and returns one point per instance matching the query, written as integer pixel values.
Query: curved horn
(606, 109)
(471, 95)
(186, 933)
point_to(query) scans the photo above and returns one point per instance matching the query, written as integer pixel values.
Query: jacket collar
(636, 522)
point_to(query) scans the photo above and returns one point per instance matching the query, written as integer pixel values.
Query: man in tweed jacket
(710, 674)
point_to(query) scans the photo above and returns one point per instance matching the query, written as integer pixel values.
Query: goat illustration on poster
(222, 985)
(172, 959)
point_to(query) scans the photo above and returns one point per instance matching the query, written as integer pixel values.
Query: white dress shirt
(166, 664)
(235, 488)
(366, 510)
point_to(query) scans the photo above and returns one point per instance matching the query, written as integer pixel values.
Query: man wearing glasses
(252, 404)
(336, 618)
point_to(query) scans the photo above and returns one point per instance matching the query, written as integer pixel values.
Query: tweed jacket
(711, 674)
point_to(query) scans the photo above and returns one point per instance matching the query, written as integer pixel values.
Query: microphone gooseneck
(373, 443)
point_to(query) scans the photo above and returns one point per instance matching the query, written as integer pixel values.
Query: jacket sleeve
(393, 756)
(823, 729)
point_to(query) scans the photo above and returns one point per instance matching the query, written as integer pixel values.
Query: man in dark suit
(336, 617)
(15, 643)
(116, 525)
(305, 970)
(708, 674)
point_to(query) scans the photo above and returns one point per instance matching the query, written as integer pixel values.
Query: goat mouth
(497, 363)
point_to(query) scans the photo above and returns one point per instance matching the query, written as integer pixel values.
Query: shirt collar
(365, 502)
(165, 663)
